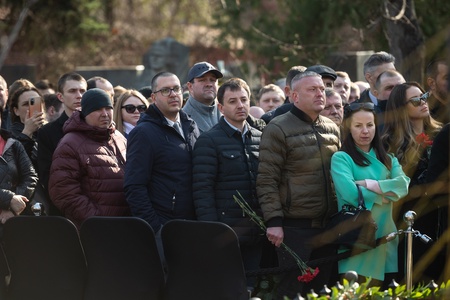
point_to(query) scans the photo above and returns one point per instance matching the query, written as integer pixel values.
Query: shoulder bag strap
(361, 203)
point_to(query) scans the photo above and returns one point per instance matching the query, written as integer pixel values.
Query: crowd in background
(295, 153)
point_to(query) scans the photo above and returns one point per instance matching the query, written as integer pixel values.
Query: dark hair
(431, 69)
(92, 82)
(376, 59)
(66, 77)
(387, 73)
(293, 72)
(160, 74)
(52, 100)
(232, 84)
(16, 85)
(348, 144)
(43, 84)
(14, 103)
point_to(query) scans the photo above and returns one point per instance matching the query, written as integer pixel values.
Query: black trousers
(298, 240)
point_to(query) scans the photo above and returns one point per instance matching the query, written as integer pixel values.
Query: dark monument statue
(164, 55)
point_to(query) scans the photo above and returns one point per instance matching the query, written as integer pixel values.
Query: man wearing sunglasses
(158, 174)
(201, 105)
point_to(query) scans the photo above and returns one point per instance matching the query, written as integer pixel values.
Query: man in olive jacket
(225, 163)
(293, 183)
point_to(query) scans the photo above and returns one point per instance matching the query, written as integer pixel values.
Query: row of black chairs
(117, 258)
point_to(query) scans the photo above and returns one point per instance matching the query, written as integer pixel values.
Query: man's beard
(442, 94)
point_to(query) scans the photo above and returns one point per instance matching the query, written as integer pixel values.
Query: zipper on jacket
(173, 201)
(324, 172)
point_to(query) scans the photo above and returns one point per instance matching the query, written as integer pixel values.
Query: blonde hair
(271, 88)
(118, 119)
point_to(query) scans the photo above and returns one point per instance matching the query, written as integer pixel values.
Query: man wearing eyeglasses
(201, 105)
(158, 174)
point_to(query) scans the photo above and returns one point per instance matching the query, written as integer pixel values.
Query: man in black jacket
(225, 164)
(158, 173)
(376, 64)
(71, 87)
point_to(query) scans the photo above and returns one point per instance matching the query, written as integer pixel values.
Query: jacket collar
(302, 115)
(153, 114)
(198, 106)
(231, 131)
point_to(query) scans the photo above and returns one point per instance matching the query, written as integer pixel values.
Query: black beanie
(93, 100)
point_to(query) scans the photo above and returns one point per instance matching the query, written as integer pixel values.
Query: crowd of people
(294, 153)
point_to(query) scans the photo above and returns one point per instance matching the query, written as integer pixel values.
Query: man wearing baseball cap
(201, 105)
(86, 175)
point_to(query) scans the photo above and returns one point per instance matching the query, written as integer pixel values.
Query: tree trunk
(405, 38)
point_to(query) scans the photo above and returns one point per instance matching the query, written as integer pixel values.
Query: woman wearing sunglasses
(128, 110)
(363, 160)
(409, 131)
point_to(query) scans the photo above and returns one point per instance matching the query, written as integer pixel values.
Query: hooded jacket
(86, 176)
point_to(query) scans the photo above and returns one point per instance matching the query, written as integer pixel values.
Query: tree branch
(15, 31)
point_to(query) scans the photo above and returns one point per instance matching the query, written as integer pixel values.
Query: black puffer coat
(223, 166)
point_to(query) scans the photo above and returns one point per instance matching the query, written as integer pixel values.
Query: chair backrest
(45, 258)
(123, 260)
(204, 261)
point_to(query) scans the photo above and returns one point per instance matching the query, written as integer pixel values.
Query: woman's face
(362, 129)
(133, 117)
(416, 112)
(23, 104)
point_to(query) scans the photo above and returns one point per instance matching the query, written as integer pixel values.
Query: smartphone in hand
(35, 105)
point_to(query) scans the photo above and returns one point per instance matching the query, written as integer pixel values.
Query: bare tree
(15, 31)
(405, 37)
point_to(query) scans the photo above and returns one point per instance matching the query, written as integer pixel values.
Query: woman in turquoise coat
(362, 160)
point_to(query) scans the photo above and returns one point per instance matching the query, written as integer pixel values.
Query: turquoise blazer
(394, 185)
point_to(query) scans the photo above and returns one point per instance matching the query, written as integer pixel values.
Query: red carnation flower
(308, 276)
(423, 140)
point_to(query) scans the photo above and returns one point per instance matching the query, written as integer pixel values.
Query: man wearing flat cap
(86, 175)
(201, 105)
(327, 73)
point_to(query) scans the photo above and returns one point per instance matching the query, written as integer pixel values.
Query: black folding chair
(123, 260)
(204, 261)
(45, 258)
